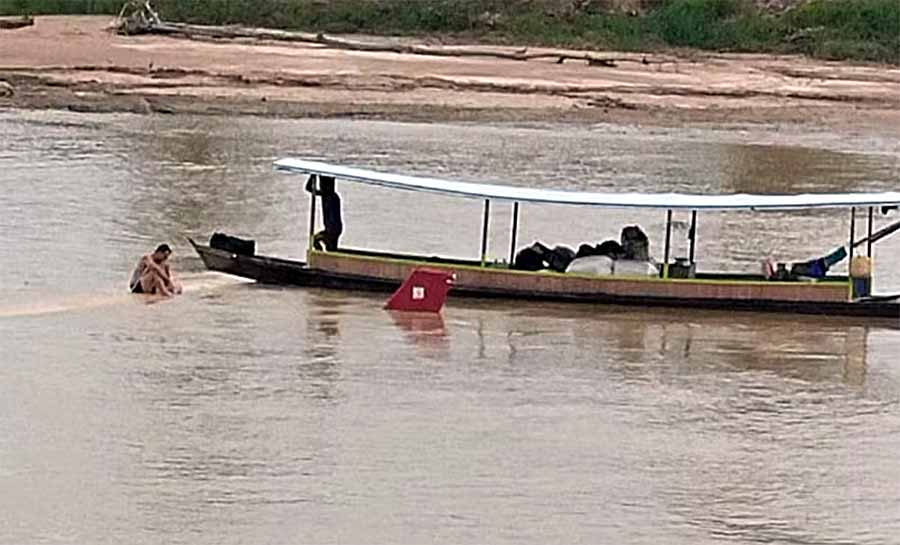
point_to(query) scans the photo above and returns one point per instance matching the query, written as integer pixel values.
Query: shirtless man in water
(153, 274)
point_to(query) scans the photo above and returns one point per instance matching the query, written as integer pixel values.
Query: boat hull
(284, 272)
(373, 273)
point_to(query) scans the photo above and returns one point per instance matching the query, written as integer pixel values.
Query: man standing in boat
(152, 275)
(331, 212)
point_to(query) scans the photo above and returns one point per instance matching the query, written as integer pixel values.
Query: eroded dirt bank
(74, 63)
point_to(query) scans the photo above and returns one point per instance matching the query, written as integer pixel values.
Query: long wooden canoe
(369, 271)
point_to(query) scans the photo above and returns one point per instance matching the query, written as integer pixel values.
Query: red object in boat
(425, 290)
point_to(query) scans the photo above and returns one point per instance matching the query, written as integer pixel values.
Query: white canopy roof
(604, 200)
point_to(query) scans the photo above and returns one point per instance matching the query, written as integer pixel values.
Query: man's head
(162, 253)
(326, 185)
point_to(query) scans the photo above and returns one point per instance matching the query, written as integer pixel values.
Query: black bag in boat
(529, 259)
(235, 245)
(560, 257)
(537, 257)
(609, 248)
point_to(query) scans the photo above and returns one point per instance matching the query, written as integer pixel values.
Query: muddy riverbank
(97, 71)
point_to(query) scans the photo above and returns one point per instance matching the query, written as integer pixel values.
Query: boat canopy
(669, 201)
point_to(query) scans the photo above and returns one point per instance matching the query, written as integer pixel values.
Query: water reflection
(423, 330)
(319, 367)
(679, 344)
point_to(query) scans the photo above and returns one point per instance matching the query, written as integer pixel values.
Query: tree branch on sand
(139, 17)
(136, 17)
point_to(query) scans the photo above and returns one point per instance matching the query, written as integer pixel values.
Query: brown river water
(245, 414)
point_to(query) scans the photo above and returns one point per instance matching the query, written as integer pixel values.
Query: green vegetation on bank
(60, 7)
(834, 29)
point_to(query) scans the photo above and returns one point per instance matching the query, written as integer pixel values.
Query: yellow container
(861, 267)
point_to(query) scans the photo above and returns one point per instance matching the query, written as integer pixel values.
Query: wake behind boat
(805, 288)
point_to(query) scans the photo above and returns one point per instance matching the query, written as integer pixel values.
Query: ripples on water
(239, 414)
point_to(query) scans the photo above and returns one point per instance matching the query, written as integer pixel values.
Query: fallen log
(148, 23)
(445, 51)
(10, 23)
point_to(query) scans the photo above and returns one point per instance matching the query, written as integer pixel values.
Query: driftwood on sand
(12, 23)
(140, 18)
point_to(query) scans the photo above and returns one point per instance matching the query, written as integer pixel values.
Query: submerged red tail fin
(425, 290)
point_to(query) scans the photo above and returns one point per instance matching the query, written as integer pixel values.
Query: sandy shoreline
(98, 71)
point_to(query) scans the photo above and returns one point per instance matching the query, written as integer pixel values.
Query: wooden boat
(369, 270)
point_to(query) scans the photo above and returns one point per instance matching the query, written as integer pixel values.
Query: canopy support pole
(312, 214)
(852, 294)
(871, 223)
(665, 270)
(484, 231)
(693, 235)
(515, 230)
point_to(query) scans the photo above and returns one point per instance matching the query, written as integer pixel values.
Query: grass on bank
(60, 7)
(834, 29)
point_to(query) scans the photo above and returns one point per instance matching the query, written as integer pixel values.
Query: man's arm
(148, 261)
(173, 284)
(311, 184)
